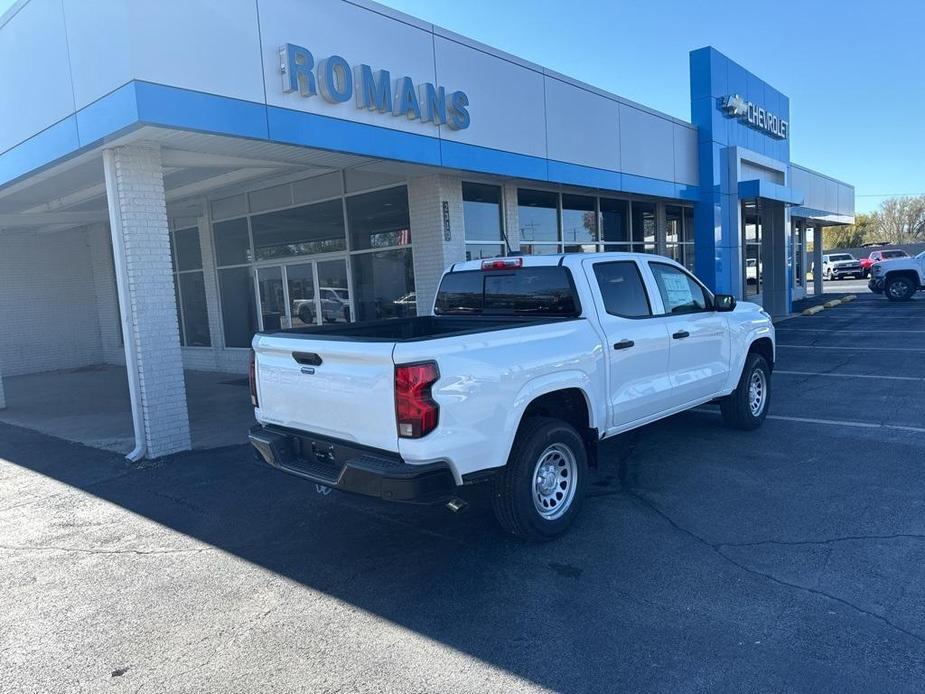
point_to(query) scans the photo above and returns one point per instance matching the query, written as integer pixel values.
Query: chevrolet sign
(734, 106)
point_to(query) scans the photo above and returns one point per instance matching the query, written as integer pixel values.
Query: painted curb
(833, 303)
(812, 311)
(849, 297)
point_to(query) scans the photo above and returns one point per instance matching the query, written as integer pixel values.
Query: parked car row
(836, 266)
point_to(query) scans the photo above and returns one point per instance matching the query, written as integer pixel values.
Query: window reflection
(579, 223)
(538, 215)
(379, 219)
(304, 230)
(383, 284)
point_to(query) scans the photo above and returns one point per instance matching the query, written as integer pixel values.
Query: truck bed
(413, 329)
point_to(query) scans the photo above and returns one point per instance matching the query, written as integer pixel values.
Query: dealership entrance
(765, 276)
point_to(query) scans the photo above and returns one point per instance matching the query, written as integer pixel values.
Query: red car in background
(877, 256)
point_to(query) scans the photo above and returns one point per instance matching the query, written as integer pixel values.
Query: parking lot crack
(825, 541)
(92, 550)
(717, 548)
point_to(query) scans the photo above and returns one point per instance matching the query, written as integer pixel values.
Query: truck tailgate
(339, 389)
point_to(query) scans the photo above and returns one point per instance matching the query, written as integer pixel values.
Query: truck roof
(560, 259)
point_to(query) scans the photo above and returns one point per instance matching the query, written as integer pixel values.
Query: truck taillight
(415, 410)
(252, 377)
(503, 263)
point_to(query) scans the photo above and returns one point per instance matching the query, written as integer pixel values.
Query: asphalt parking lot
(787, 559)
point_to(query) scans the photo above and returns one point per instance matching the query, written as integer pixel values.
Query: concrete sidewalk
(91, 406)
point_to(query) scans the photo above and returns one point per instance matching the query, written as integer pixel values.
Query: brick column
(104, 286)
(433, 253)
(511, 217)
(138, 218)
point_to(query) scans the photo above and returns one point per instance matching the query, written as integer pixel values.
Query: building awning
(757, 188)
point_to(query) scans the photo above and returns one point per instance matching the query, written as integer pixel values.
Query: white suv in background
(838, 265)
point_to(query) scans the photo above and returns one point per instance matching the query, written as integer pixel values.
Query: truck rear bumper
(351, 468)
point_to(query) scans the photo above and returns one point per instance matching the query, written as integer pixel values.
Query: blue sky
(854, 71)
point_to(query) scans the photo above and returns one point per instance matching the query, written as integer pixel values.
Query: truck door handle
(681, 334)
(623, 344)
(307, 358)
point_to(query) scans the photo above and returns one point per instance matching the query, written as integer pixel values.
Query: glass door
(271, 290)
(303, 304)
(333, 291)
(301, 294)
(752, 239)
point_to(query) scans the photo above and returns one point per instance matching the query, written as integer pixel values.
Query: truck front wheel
(747, 406)
(898, 288)
(539, 492)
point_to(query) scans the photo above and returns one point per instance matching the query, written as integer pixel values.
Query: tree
(902, 220)
(852, 235)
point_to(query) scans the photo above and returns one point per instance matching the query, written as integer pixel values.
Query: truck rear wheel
(539, 492)
(747, 406)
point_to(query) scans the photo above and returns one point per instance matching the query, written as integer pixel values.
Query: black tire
(828, 275)
(737, 407)
(514, 486)
(898, 288)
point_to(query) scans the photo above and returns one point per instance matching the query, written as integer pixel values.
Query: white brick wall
(107, 299)
(137, 201)
(48, 302)
(511, 221)
(433, 254)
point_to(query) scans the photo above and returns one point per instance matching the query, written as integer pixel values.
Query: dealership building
(176, 176)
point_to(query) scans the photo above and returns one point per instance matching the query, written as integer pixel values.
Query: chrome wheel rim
(757, 392)
(555, 479)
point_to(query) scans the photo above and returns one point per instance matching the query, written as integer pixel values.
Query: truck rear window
(540, 291)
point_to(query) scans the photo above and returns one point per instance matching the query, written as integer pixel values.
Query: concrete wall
(49, 303)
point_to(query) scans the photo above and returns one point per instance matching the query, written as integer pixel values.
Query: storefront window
(483, 220)
(538, 213)
(239, 312)
(798, 231)
(579, 224)
(304, 230)
(689, 261)
(232, 242)
(189, 288)
(383, 284)
(644, 227)
(679, 233)
(615, 225)
(379, 219)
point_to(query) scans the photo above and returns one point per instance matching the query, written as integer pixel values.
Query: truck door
(636, 343)
(699, 336)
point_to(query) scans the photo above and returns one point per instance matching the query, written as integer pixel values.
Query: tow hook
(457, 505)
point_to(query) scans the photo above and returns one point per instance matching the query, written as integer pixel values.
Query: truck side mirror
(724, 302)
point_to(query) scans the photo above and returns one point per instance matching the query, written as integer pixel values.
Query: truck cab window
(541, 291)
(622, 289)
(680, 292)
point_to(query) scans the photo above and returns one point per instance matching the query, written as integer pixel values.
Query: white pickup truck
(898, 278)
(526, 364)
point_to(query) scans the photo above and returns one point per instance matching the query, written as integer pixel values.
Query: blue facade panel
(715, 78)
